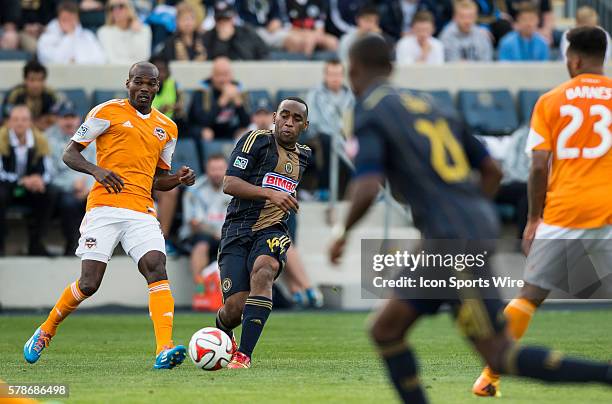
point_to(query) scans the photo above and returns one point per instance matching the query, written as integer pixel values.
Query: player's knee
(153, 266)
(89, 285)
(382, 331)
(263, 275)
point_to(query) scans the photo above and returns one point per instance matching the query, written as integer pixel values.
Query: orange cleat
(486, 386)
(239, 361)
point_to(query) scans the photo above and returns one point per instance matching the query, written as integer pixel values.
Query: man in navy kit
(428, 159)
(265, 169)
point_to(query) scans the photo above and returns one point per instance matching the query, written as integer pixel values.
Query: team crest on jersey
(160, 133)
(226, 284)
(90, 242)
(288, 167)
(279, 182)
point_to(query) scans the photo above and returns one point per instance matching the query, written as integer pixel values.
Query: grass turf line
(302, 357)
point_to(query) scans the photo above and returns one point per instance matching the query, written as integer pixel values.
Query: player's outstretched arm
(363, 192)
(164, 181)
(74, 159)
(242, 189)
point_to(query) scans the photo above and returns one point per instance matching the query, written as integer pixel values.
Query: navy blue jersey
(261, 161)
(428, 159)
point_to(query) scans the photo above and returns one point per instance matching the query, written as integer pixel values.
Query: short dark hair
(68, 6)
(297, 99)
(526, 7)
(367, 9)
(373, 53)
(216, 156)
(591, 42)
(34, 66)
(423, 16)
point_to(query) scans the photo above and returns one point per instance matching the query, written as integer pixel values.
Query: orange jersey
(132, 145)
(573, 121)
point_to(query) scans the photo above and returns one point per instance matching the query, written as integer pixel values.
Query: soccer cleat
(239, 361)
(35, 345)
(170, 357)
(486, 387)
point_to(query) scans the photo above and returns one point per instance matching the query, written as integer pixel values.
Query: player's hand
(186, 176)
(283, 200)
(111, 181)
(337, 250)
(529, 235)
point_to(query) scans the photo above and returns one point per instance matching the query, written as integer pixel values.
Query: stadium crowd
(38, 121)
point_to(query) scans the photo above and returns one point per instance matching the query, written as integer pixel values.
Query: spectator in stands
(73, 187)
(342, 16)
(420, 46)
(124, 38)
(463, 40)
(186, 43)
(328, 102)
(10, 11)
(169, 99)
(35, 15)
(493, 15)
(227, 39)
(367, 23)
(25, 173)
(65, 41)
(544, 9)
(585, 17)
(524, 43)
(34, 93)
(262, 117)
(307, 18)
(217, 109)
(265, 18)
(397, 15)
(204, 208)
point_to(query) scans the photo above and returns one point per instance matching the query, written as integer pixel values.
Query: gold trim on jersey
(248, 144)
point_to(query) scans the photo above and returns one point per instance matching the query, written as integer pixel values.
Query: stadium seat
(224, 147)
(441, 98)
(282, 55)
(293, 92)
(253, 97)
(92, 20)
(78, 98)
(185, 154)
(489, 113)
(527, 100)
(15, 55)
(100, 96)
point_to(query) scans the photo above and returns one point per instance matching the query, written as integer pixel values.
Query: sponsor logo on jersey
(160, 133)
(241, 162)
(128, 124)
(279, 182)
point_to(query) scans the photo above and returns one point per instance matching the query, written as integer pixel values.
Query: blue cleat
(35, 345)
(170, 358)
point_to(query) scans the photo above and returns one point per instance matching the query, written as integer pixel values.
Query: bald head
(221, 72)
(143, 68)
(20, 119)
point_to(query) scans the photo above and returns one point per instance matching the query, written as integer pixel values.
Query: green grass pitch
(301, 358)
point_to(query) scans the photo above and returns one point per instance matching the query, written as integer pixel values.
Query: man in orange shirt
(570, 193)
(134, 144)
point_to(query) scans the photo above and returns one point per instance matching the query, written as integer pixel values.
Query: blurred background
(224, 66)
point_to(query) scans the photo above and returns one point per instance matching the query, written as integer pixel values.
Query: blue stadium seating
(489, 113)
(441, 98)
(100, 96)
(254, 96)
(526, 101)
(290, 92)
(78, 98)
(185, 154)
(6, 55)
(218, 146)
(187, 96)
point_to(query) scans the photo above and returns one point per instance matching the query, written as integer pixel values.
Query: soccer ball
(210, 349)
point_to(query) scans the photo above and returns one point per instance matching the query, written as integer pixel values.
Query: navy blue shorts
(238, 254)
